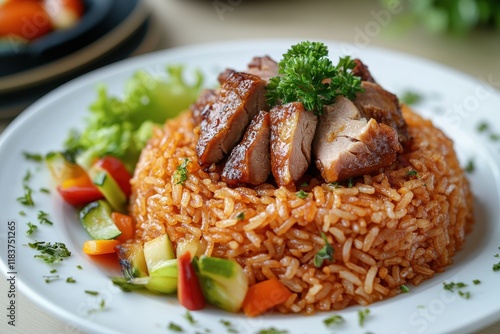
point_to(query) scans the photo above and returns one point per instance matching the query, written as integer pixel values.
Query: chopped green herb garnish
(175, 328)
(456, 287)
(70, 280)
(420, 306)
(452, 285)
(22, 213)
(240, 216)
(102, 305)
(325, 253)
(181, 174)
(307, 75)
(496, 255)
(412, 173)
(334, 185)
(43, 218)
(50, 279)
(226, 323)
(411, 98)
(495, 136)
(26, 199)
(50, 253)
(469, 168)
(476, 282)
(189, 318)
(79, 267)
(333, 320)
(45, 190)
(53, 271)
(483, 126)
(305, 184)
(465, 295)
(31, 228)
(27, 176)
(93, 293)
(496, 267)
(362, 316)
(350, 183)
(404, 289)
(301, 194)
(33, 156)
(272, 330)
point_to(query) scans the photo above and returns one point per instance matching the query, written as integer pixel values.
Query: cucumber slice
(162, 265)
(192, 246)
(159, 254)
(162, 284)
(223, 282)
(132, 260)
(109, 188)
(128, 285)
(96, 220)
(156, 284)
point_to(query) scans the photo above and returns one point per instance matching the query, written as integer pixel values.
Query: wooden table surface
(361, 23)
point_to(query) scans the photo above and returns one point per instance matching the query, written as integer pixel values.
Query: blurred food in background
(45, 43)
(449, 16)
(27, 20)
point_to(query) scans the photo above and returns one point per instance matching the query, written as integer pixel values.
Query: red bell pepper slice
(79, 190)
(188, 286)
(118, 172)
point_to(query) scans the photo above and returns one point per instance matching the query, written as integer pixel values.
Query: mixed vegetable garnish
(93, 174)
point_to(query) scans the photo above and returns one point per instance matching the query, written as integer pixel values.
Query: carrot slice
(99, 247)
(264, 296)
(124, 224)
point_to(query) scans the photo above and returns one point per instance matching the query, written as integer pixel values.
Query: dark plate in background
(125, 31)
(57, 44)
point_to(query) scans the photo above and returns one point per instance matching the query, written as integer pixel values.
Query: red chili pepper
(188, 286)
(118, 172)
(79, 190)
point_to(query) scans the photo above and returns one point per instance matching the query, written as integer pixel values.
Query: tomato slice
(188, 286)
(25, 19)
(79, 190)
(118, 172)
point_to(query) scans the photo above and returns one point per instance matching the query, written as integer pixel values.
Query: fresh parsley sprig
(307, 75)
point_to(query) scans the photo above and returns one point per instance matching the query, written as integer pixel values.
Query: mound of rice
(387, 230)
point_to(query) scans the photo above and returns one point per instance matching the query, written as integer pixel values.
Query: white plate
(428, 308)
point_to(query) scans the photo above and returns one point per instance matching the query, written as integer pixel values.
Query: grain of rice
(369, 279)
(349, 276)
(346, 250)
(226, 222)
(370, 238)
(255, 222)
(355, 268)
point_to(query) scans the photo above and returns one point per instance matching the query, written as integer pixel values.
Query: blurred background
(462, 34)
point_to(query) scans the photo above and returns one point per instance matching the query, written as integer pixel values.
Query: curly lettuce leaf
(121, 126)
